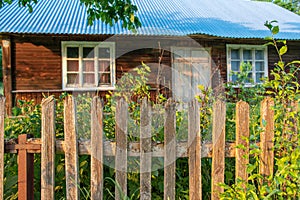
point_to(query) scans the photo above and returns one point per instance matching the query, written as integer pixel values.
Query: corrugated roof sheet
(222, 18)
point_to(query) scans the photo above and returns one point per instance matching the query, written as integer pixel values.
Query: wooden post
(25, 170)
(48, 149)
(170, 150)
(7, 71)
(218, 139)
(2, 116)
(71, 153)
(194, 149)
(97, 149)
(266, 138)
(121, 148)
(145, 148)
(242, 141)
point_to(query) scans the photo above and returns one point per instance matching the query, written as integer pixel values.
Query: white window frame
(176, 48)
(81, 45)
(242, 47)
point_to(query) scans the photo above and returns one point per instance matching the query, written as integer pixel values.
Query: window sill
(246, 85)
(69, 89)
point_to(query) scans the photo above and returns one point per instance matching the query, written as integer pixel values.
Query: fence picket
(194, 142)
(2, 116)
(48, 149)
(71, 153)
(170, 150)
(121, 148)
(242, 141)
(97, 149)
(266, 137)
(145, 150)
(25, 170)
(218, 139)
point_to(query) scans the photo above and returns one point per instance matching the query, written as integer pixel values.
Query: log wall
(37, 63)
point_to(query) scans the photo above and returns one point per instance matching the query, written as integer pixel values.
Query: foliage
(292, 5)
(284, 90)
(109, 12)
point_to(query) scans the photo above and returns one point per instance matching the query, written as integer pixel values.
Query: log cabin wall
(37, 61)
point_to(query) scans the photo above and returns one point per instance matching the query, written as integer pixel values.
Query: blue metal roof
(221, 18)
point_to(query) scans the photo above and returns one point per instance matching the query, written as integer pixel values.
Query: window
(191, 67)
(88, 65)
(254, 55)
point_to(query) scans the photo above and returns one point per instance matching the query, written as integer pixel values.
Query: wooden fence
(97, 148)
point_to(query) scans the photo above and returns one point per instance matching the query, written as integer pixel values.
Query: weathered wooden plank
(194, 142)
(218, 156)
(2, 116)
(242, 141)
(71, 149)
(97, 149)
(170, 150)
(25, 171)
(7, 74)
(48, 149)
(145, 151)
(84, 148)
(121, 148)
(266, 137)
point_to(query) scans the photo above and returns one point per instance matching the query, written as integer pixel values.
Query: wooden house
(185, 42)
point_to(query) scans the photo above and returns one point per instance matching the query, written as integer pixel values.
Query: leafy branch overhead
(108, 11)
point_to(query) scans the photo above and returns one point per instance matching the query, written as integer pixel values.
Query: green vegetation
(292, 5)
(283, 88)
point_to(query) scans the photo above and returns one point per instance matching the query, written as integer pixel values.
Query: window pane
(235, 54)
(104, 79)
(178, 53)
(73, 79)
(88, 52)
(259, 76)
(259, 55)
(259, 66)
(234, 78)
(247, 54)
(88, 66)
(89, 79)
(250, 78)
(72, 65)
(235, 65)
(104, 53)
(104, 66)
(72, 52)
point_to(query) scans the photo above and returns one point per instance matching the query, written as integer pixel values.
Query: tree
(108, 11)
(292, 5)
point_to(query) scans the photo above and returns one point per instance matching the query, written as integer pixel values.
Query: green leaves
(113, 11)
(283, 50)
(22, 3)
(284, 89)
(271, 27)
